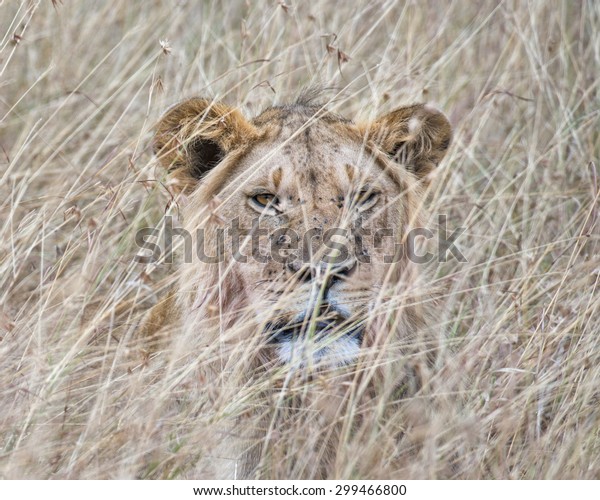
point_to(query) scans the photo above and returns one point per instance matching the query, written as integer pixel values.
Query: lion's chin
(318, 344)
(318, 353)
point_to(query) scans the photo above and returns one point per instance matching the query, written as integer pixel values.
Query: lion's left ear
(194, 136)
(416, 136)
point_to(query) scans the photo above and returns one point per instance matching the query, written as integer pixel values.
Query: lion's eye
(367, 198)
(264, 199)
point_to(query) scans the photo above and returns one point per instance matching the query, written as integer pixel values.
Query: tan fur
(315, 162)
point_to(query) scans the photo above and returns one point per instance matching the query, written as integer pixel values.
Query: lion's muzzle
(324, 341)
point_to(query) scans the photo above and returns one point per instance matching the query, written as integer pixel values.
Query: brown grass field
(515, 391)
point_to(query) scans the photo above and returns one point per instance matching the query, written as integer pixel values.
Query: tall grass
(515, 392)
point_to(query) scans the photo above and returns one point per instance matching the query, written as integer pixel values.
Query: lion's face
(312, 210)
(316, 202)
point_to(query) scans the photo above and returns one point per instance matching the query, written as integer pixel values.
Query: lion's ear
(194, 136)
(416, 136)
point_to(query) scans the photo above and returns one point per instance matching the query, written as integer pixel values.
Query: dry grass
(515, 393)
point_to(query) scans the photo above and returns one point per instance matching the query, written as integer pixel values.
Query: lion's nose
(339, 270)
(323, 272)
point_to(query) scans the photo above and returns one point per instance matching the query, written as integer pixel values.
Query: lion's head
(299, 219)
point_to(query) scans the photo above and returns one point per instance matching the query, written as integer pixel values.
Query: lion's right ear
(416, 136)
(194, 136)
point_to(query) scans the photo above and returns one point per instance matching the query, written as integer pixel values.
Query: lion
(298, 291)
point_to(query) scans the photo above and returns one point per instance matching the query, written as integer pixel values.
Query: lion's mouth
(328, 339)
